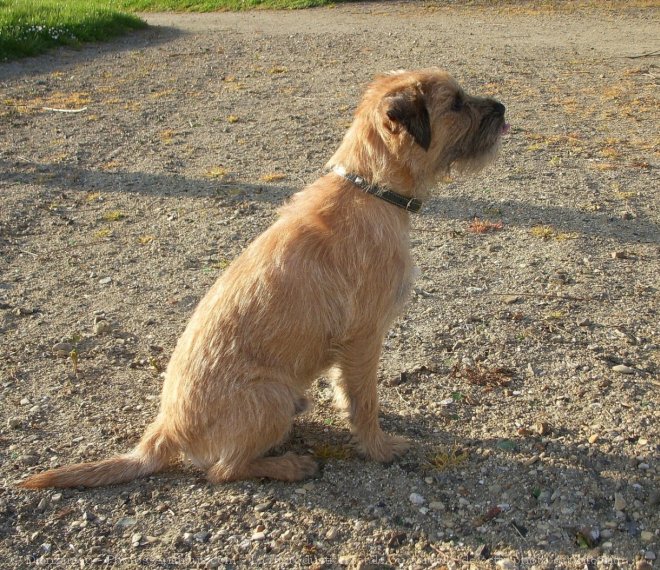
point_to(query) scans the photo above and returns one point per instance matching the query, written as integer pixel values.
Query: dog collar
(391, 197)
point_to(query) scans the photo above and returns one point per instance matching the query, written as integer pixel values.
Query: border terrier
(315, 293)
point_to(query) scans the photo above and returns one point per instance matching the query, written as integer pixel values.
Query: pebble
(619, 502)
(28, 459)
(437, 506)
(416, 499)
(56, 498)
(287, 534)
(646, 536)
(202, 536)
(14, 423)
(619, 255)
(506, 564)
(623, 369)
(62, 348)
(649, 555)
(102, 327)
(261, 507)
(126, 522)
(25, 401)
(135, 539)
(332, 534)
(594, 438)
(542, 428)
(259, 536)
(105, 281)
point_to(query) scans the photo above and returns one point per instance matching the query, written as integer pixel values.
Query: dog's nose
(498, 108)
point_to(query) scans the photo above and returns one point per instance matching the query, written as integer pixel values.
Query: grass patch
(217, 5)
(444, 459)
(30, 27)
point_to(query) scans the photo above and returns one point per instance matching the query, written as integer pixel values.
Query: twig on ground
(65, 110)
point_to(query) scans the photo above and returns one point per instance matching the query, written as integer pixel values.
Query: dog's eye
(457, 104)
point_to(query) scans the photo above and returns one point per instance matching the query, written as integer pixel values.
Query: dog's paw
(385, 448)
(302, 466)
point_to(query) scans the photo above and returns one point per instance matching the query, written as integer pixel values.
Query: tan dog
(316, 291)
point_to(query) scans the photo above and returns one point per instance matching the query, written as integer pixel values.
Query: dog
(314, 294)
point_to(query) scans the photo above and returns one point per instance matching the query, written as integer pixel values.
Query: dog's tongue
(506, 127)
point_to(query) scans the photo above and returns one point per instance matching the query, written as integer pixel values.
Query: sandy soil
(525, 368)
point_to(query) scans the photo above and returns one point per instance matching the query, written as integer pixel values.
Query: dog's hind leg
(356, 393)
(260, 421)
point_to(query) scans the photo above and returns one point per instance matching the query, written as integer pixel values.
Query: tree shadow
(569, 220)
(64, 177)
(64, 57)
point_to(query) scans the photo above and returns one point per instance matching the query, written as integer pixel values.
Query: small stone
(286, 535)
(649, 555)
(14, 423)
(416, 499)
(25, 401)
(619, 255)
(542, 428)
(511, 299)
(346, 559)
(646, 536)
(259, 536)
(483, 552)
(28, 459)
(619, 502)
(261, 507)
(623, 369)
(136, 538)
(102, 327)
(643, 466)
(437, 506)
(42, 505)
(56, 498)
(202, 536)
(332, 534)
(589, 535)
(506, 564)
(593, 438)
(126, 522)
(105, 281)
(62, 348)
(606, 533)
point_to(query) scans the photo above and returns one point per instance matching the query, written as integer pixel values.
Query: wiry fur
(316, 291)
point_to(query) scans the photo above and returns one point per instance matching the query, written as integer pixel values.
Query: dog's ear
(408, 109)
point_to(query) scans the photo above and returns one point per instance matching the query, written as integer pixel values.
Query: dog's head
(421, 124)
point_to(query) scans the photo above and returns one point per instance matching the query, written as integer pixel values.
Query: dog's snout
(498, 108)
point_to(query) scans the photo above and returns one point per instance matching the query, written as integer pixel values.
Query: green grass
(215, 5)
(30, 27)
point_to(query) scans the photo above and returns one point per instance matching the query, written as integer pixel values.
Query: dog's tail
(152, 454)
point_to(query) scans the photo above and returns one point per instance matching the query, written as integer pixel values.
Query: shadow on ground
(56, 177)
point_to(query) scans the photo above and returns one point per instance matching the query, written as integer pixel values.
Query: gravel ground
(525, 369)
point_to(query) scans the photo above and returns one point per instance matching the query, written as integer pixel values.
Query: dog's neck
(405, 202)
(364, 152)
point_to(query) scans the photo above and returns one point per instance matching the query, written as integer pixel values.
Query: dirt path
(530, 448)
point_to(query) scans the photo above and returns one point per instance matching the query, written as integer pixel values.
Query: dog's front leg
(356, 394)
